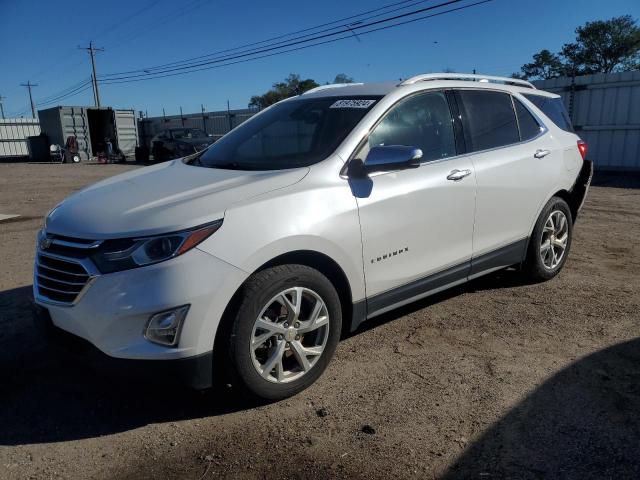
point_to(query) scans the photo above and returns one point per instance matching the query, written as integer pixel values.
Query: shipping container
(92, 127)
(59, 123)
(13, 136)
(605, 112)
(38, 147)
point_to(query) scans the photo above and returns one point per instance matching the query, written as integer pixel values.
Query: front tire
(550, 242)
(284, 333)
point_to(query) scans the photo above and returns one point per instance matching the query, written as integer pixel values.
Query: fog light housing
(164, 327)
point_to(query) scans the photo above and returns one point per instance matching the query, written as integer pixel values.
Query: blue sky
(40, 38)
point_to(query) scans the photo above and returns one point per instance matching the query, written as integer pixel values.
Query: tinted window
(529, 126)
(552, 108)
(488, 119)
(421, 121)
(291, 134)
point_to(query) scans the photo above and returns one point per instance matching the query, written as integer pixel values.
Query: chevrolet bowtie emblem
(45, 242)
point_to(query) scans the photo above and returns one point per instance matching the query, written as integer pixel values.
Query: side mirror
(386, 159)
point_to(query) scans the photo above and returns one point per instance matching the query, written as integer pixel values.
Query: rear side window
(422, 121)
(552, 108)
(529, 126)
(488, 119)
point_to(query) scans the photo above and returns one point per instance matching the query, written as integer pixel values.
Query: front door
(416, 224)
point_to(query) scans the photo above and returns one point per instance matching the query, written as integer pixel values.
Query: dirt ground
(494, 379)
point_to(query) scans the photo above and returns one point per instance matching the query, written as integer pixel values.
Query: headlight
(123, 254)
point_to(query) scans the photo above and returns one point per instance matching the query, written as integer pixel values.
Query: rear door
(416, 224)
(126, 131)
(515, 161)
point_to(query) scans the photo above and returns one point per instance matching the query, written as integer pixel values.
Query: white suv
(251, 258)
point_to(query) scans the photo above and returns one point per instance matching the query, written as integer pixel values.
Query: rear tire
(284, 333)
(550, 242)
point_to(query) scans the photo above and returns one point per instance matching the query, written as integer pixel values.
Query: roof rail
(467, 76)
(330, 85)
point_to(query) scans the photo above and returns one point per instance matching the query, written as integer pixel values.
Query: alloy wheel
(554, 239)
(289, 335)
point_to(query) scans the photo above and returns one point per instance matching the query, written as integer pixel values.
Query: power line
(92, 50)
(70, 93)
(63, 92)
(79, 88)
(172, 15)
(29, 86)
(226, 61)
(348, 30)
(345, 28)
(385, 7)
(115, 26)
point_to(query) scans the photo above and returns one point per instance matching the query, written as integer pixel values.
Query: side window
(552, 108)
(422, 121)
(488, 119)
(529, 126)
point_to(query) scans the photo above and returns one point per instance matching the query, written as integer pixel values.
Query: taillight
(582, 148)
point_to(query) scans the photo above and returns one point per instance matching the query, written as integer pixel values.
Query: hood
(162, 198)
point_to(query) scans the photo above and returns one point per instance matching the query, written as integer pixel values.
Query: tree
(342, 78)
(604, 46)
(545, 65)
(291, 86)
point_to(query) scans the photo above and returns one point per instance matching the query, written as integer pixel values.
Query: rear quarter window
(552, 108)
(529, 126)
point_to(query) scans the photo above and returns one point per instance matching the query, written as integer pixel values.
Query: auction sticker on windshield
(353, 104)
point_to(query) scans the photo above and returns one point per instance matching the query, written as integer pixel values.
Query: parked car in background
(178, 142)
(317, 214)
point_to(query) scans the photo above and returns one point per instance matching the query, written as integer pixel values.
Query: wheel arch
(325, 265)
(573, 200)
(310, 258)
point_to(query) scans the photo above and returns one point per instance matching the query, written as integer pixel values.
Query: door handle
(541, 153)
(457, 175)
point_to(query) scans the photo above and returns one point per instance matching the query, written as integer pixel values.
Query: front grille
(60, 280)
(60, 272)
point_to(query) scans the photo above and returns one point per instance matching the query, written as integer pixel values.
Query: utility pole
(92, 51)
(1, 107)
(29, 86)
(204, 119)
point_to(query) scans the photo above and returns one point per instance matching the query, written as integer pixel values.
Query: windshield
(188, 133)
(292, 134)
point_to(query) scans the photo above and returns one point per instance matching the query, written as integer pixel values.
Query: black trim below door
(418, 287)
(503, 257)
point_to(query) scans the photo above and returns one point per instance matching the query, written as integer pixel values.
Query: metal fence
(216, 124)
(13, 136)
(605, 111)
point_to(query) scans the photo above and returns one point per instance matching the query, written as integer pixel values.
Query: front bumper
(113, 312)
(194, 372)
